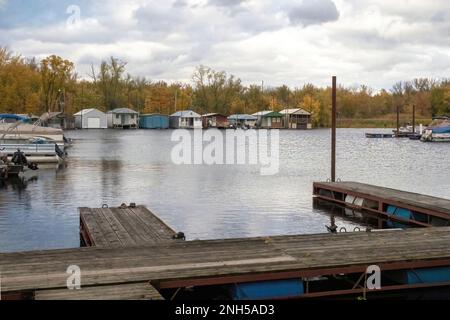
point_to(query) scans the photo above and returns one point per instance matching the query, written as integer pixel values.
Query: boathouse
(269, 120)
(296, 119)
(242, 120)
(123, 118)
(90, 119)
(154, 121)
(57, 120)
(187, 119)
(215, 120)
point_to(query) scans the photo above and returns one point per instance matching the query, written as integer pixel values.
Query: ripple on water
(208, 202)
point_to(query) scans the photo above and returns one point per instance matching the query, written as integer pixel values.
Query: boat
(438, 131)
(48, 153)
(18, 166)
(416, 136)
(16, 129)
(409, 132)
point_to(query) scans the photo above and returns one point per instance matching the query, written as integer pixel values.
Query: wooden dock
(123, 226)
(134, 291)
(425, 211)
(132, 254)
(204, 263)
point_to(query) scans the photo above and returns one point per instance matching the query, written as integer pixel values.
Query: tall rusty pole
(333, 130)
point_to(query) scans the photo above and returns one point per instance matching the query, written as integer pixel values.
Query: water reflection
(208, 202)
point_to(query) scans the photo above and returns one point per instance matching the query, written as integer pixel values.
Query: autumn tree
(57, 75)
(215, 91)
(20, 84)
(109, 81)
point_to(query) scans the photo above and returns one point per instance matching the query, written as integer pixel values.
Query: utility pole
(333, 130)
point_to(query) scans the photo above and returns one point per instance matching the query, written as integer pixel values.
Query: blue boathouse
(154, 121)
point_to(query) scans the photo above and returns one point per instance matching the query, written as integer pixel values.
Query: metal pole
(398, 121)
(333, 130)
(414, 119)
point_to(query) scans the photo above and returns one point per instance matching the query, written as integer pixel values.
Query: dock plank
(221, 260)
(135, 291)
(408, 198)
(124, 227)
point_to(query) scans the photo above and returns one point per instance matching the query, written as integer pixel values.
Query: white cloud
(377, 42)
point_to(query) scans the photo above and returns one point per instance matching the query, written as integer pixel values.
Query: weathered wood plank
(92, 227)
(125, 227)
(409, 198)
(135, 291)
(223, 258)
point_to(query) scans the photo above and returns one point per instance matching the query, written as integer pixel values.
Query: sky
(292, 42)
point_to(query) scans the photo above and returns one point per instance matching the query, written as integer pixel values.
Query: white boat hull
(35, 153)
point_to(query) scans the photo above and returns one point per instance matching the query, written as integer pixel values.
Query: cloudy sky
(375, 42)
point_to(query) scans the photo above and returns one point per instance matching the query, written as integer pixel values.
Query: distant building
(215, 120)
(269, 120)
(123, 118)
(154, 121)
(90, 119)
(186, 120)
(296, 119)
(243, 120)
(57, 120)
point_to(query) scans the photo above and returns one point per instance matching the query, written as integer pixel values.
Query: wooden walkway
(135, 291)
(380, 197)
(197, 263)
(126, 226)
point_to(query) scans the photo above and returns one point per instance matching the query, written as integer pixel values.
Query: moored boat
(439, 131)
(17, 130)
(18, 166)
(36, 153)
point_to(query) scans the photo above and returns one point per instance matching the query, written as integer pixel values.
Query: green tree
(215, 91)
(109, 80)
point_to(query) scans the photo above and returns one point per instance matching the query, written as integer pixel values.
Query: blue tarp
(282, 289)
(442, 130)
(14, 117)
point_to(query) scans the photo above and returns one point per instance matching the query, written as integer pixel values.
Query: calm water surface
(208, 202)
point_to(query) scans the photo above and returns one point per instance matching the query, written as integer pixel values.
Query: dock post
(333, 131)
(398, 121)
(414, 119)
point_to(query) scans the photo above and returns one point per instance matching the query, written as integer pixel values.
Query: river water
(208, 202)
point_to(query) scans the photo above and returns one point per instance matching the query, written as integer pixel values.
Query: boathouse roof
(86, 111)
(298, 111)
(186, 114)
(242, 117)
(123, 111)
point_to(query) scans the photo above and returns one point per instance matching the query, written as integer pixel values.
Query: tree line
(28, 86)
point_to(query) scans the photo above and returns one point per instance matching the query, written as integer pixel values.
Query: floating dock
(312, 265)
(123, 226)
(379, 135)
(397, 206)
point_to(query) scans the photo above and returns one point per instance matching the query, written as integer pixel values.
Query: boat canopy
(14, 117)
(440, 126)
(442, 130)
